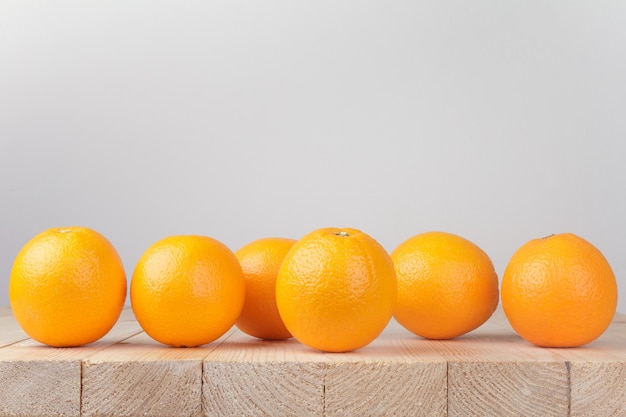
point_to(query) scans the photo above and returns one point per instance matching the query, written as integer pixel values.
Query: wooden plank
(492, 372)
(597, 371)
(245, 376)
(11, 332)
(38, 380)
(397, 374)
(598, 374)
(598, 388)
(141, 377)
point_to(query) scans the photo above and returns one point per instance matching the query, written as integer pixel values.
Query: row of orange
(334, 289)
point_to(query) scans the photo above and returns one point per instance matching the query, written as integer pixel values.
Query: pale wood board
(488, 372)
(11, 331)
(141, 377)
(246, 376)
(597, 371)
(598, 374)
(38, 380)
(397, 374)
(491, 372)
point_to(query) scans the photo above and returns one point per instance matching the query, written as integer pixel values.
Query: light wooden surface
(36, 380)
(140, 377)
(397, 374)
(488, 372)
(492, 364)
(250, 377)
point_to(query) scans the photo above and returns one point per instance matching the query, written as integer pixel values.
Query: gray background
(498, 121)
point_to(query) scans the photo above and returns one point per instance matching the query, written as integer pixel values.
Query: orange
(559, 291)
(336, 289)
(260, 261)
(67, 286)
(187, 290)
(447, 286)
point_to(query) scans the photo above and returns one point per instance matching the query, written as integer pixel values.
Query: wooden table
(488, 372)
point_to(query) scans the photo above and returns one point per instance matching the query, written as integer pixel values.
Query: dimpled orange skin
(67, 286)
(447, 286)
(187, 290)
(559, 291)
(336, 289)
(260, 261)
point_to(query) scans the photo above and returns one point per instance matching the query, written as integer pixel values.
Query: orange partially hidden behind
(260, 261)
(447, 286)
(187, 290)
(67, 286)
(336, 289)
(559, 291)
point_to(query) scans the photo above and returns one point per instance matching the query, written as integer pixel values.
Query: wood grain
(397, 374)
(245, 376)
(598, 374)
(488, 372)
(141, 377)
(38, 380)
(597, 371)
(598, 389)
(491, 372)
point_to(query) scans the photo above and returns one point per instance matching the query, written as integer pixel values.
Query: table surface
(488, 372)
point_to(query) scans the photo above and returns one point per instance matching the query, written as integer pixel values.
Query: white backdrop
(498, 121)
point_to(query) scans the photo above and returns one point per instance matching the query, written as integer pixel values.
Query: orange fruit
(447, 286)
(336, 289)
(260, 261)
(187, 290)
(559, 291)
(67, 286)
